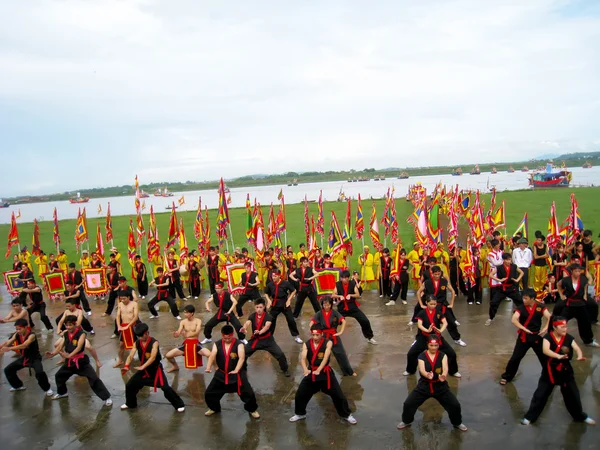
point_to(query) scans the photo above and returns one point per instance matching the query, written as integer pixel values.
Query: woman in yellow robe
(414, 257)
(365, 261)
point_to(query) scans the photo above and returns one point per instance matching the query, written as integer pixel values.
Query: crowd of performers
(533, 278)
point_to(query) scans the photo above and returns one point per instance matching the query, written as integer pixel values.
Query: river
(293, 194)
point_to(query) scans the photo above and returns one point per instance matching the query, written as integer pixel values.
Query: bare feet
(98, 364)
(502, 381)
(118, 364)
(173, 369)
(354, 374)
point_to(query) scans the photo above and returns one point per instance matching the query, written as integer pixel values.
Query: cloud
(100, 91)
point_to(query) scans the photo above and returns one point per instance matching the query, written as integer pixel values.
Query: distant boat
(79, 199)
(289, 183)
(295, 183)
(382, 177)
(170, 207)
(165, 193)
(547, 178)
(364, 179)
(403, 176)
(587, 165)
(376, 178)
(476, 170)
(494, 171)
(510, 169)
(457, 172)
(4, 204)
(144, 194)
(525, 169)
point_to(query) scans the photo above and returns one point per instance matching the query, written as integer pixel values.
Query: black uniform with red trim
(113, 283)
(400, 281)
(427, 388)
(212, 263)
(153, 376)
(163, 294)
(576, 306)
(224, 303)
(30, 358)
(279, 293)
(325, 381)
(531, 318)
(141, 278)
(508, 288)
(306, 290)
(349, 307)
(557, 372)
(439, 289)
(78, 365)
(76, 279)
(428, 318)
(264, 341)
(330, 321)
(250, 292)
(225, 382)
(38, 305)
(385, 285)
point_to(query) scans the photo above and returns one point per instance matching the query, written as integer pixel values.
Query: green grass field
(536, 203)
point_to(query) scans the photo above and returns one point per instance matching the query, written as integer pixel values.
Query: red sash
(522, 333)
(329, 332)
(573, 299)
(258, 326)
(128, 337)
(226, 371)
(313, 367)
(190, 354)
(558, 346)
(437, 353)
(159, 380)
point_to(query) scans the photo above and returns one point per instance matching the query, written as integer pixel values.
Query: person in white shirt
(523, 257)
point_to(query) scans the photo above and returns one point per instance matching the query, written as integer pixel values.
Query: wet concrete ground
(30, 420)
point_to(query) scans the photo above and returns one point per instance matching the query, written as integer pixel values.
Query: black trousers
(302, 295)
(85, 324)
(500, 295)
(211, 283)
(521, 349)
(441, 393)
(570, 394)
(142, 286)
(581, 315)
(195, 286)
(10, 372)
(140, 379)
(385, 287)
(400, 288)
(341, 356)
(85, 370)
(217, 389)
(229, 318)
(242, 299)
(592, 309)
(176, 287)
(457, 281)
(308, 388)
(170, 300)
(268, 345)
(525, 279)
(291, 322)
(112, 299)
(40, 308)
(420, 345)
(360, 317)
(474, 292)
(84, 301)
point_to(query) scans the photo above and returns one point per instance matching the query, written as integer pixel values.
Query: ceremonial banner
(95, 281)
(234, 276)
(55, 283)
(325, 281)
(13, 284)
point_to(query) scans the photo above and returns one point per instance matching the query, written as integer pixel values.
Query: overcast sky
(93, 92)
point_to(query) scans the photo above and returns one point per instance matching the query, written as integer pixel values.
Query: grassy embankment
(536, 203)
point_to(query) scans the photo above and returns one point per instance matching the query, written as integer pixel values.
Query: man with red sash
(191, 350)
(329, 320)
(24, 342)
(150, 371)
(163, 294)
(437, 286)
(113, 287)
(528, 320)
(400, 280)
(573, 294)
(508, 275)
(75, 277)
(304, 276)
(228, 355)
(128, 314)
(385, 267)
(279, 295)
(347, 294)
(175, 287)
(318, 376)
(212, 263)
(433, 368)
(431, 321)
(558, 347)
(36, 304)
(76, 363)
(261, 323)
(226, 305)
(291, 264)
(250, 282)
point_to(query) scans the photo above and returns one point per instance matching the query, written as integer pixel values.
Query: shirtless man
(128, 313)
(189, 328)
(17, 312)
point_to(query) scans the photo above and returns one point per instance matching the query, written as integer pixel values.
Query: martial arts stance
(228, 355)
(318, 376)
(279, 295)
(558, 348)
(304, 276)
(347, 293)
(329, 320)
(225, 313)
(128, 313)
(162, 283)
(191, 349)
(25, 343)
(433, 367)
(509, 277)
(528, 320)
(250, 282)
(150, 371)
(37, 304)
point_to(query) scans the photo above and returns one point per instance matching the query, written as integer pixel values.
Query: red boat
(79, 199)
(549, 179)
(144, 194)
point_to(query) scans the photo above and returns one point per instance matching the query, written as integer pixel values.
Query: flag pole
(231, 235)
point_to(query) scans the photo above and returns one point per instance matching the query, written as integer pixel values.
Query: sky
(94, 92)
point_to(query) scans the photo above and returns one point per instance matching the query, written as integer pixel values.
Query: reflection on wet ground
(30, 420)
